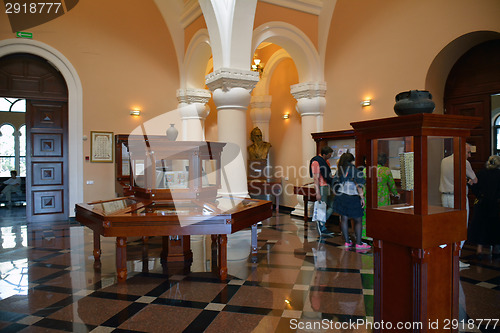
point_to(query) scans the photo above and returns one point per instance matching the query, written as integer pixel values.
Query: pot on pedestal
(414, 101)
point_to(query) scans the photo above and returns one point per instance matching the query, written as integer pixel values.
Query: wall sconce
(286, 116)
(366, 102)
(257, 66)
(135, 112)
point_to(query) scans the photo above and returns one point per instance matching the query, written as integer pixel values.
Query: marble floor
(297, 281)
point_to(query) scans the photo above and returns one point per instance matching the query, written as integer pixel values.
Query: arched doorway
(33, 78)
(472, 82)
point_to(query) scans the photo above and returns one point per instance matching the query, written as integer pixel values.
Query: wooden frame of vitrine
(416, 250)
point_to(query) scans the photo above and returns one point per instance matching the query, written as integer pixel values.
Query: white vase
(172, 133)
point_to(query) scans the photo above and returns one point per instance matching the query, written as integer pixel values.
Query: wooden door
(46, 159)
(469, 86)
(476, 106)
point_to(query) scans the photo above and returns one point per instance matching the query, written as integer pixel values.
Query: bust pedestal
(261, 183)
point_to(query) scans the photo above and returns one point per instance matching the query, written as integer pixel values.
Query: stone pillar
(260, 113)
(311, 104)
(194, 111)
(231, 90)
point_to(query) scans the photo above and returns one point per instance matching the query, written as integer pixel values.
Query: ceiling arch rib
(230, 25)
(296, 43)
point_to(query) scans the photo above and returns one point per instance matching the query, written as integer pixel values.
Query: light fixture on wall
(366, 102)
(286, 116)
(257, 66)
(135, 113)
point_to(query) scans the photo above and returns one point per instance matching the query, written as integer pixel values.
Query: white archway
(75, 109)
(197, 56)
(262, 88)
(441, 65)
(296, 43)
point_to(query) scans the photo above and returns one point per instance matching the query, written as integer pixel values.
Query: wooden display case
(417, 241)
(173, 187)
(340, 141)
(144, 217)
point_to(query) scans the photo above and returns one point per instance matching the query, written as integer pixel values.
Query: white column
(311, 104)
(231, 92)
(260, 113)
(194, 111)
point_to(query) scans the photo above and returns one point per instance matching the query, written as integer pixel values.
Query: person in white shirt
(446, 184)
(13, 184)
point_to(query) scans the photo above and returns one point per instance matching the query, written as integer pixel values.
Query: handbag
(319, 213)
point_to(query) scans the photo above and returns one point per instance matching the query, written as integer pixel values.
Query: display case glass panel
(340, 146)
(209, 172)
(172, 174)
(393, 165)
(113, 206)
(138, 168)
(400, 160)
(125, 167)
(440, 155)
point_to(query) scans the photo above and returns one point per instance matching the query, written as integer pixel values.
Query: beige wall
(377, 49)
(123, 54)
(380, 48)
(308, 23)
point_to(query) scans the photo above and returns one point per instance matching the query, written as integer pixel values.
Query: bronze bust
(259, 149)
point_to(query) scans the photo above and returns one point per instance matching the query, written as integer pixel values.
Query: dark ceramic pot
(414, 101)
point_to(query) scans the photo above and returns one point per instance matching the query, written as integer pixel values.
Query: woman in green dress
(385, 186)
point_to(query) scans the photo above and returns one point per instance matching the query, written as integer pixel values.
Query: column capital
(191, 95)
(308, 90)
(227, 78)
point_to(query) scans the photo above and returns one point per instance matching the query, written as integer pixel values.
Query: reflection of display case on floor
(417, 242)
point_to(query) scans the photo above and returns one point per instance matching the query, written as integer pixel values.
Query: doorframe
(75, 108)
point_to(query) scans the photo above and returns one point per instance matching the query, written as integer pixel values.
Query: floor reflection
(48, 280)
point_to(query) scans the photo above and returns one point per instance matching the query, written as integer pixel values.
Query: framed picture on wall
(101, 147)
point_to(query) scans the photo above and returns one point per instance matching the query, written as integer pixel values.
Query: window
(22, 151)
(13, 137)
(7, 150)
(496, 136)
(12, 105)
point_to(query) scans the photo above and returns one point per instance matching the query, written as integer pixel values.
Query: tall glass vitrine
(417, 240)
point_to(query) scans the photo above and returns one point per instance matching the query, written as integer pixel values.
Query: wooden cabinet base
(415, 286)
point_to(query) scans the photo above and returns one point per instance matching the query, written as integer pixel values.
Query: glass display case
(400, 155)
(340, 141)
(417, 240)
(154, 166)
(173, 193)
(175, 221)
